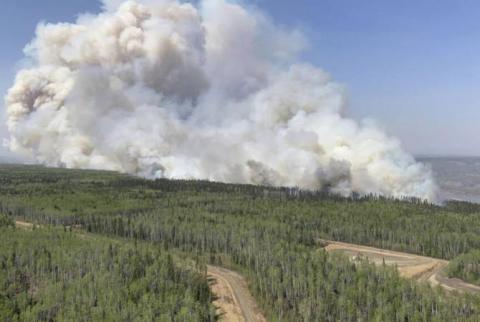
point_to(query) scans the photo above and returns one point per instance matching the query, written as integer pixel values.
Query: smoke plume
(161, 88)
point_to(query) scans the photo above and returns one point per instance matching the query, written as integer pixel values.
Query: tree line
(270, 235)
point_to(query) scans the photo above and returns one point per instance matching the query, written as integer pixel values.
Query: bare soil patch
(23, 224)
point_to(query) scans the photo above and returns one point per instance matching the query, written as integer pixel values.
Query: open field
(420, 268)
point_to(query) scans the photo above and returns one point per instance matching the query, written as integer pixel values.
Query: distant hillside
(457, 177)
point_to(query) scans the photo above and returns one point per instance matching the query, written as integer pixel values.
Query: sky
(413, 66)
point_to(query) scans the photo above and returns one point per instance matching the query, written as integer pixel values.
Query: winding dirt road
(420, 268)
(234, 301)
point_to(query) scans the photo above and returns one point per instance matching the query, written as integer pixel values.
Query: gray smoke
(169, 89)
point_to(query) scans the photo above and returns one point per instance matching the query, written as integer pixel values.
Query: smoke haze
(215, 91)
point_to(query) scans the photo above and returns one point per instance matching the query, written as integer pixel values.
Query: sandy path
(421, 268)
(234, 300)
(23, 224)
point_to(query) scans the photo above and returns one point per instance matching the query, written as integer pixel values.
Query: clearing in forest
(417, 267)
(23, 224)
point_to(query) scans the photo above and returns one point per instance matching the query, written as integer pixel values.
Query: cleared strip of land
(234, 301)
(421, 268)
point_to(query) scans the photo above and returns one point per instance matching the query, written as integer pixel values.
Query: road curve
(243, 300)
(420, 268)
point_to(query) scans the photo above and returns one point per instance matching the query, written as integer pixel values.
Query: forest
(98, 226)
(52, 274)
(466, 267)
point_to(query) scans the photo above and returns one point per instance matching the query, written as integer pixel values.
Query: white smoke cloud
(168, 89)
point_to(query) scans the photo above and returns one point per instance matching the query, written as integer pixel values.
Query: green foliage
(291, 277)
(466, 267)
(69, 197)
(51, 275)
(60, 193)
(6, 221)
(269, 234)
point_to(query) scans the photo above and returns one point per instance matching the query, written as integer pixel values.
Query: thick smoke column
(167, 89)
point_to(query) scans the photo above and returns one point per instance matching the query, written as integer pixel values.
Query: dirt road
(234, 301)
(417, 267)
